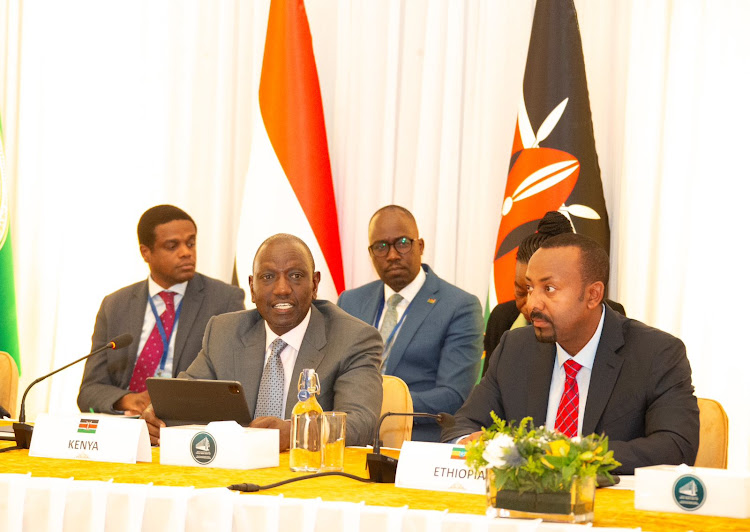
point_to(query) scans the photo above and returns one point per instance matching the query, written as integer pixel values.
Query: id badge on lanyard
(160, 371)
(391, 337)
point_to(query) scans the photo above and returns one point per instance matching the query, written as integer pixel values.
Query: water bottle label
(303, 395)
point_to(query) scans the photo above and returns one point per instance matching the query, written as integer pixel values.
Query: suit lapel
(309, 356)
(191, 304)
(423, 303)
(607, 365)
(371, 304)
(249, 359)
(541, 366)
(133, 316)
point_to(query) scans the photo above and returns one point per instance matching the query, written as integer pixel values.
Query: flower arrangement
(538, 460)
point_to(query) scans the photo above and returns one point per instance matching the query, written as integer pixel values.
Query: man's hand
(285, 429)
(133, 404)
(154, 424)
(471, 437)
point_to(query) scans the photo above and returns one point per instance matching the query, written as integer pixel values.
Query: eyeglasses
(381, 248)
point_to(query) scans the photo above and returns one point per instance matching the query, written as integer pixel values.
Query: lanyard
(389, 341)
(159, 325)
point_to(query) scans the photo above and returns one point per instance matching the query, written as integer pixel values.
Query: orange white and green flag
(288, 187)
(8, 316)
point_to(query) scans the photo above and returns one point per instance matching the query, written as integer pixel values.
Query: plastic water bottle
(304, 449)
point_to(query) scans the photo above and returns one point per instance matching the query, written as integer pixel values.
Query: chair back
(712, 449)
(396, 398)
(8, 383)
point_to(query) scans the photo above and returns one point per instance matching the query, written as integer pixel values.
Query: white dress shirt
(585, 357)
(289, 354)
(149, 321)
(409, 292)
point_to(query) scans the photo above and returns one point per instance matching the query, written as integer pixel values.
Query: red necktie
(567, 413)
(150, 357)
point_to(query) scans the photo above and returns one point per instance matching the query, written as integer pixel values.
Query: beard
(549, 338)
(542, 335)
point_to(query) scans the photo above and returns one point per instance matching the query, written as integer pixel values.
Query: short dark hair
(288, 238)
(553, 223)
(161, 214)
(594, 259)
(399, 208)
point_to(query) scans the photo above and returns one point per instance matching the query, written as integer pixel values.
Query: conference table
(613, 507)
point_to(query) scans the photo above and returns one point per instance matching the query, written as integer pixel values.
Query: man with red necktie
(167, 312)
(591, 370)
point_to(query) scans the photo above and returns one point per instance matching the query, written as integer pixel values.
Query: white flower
(575, 439)
(494, 451)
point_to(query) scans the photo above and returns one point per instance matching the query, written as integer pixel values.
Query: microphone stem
(22, 411)
(376, 444)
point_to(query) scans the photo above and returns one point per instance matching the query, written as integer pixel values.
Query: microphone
(21, 429)
(383, 468)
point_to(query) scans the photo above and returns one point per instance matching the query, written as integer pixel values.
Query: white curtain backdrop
(110, 108)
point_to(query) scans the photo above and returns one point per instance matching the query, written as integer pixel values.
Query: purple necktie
(150, 357)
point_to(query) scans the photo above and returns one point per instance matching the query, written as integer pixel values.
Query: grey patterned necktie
(391, 316)
(271, 392)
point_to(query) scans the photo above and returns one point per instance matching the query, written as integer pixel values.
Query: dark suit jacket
(438, 349)
(106, 376)
(502, 318)
(344, 352)
(640, 395)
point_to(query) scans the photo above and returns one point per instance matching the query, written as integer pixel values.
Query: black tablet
(198, 402)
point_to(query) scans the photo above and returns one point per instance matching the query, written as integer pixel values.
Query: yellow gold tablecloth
(613, 508)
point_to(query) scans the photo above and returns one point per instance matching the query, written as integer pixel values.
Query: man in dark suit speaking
(166, 314)
(267, 348)
(592, 370)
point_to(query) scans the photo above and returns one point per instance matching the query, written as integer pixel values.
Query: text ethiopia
(450, 472)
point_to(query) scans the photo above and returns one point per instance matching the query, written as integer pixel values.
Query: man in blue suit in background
(432, 330)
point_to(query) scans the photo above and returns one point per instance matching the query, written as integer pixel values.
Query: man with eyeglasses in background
(432, 330)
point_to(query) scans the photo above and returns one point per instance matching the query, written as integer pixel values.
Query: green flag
(8, 317)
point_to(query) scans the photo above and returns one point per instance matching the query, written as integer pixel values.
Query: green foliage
(528, 459)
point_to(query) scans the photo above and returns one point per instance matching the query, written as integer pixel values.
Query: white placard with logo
(95, 437)
(219, 444)
(438, 467)
(693, 490)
